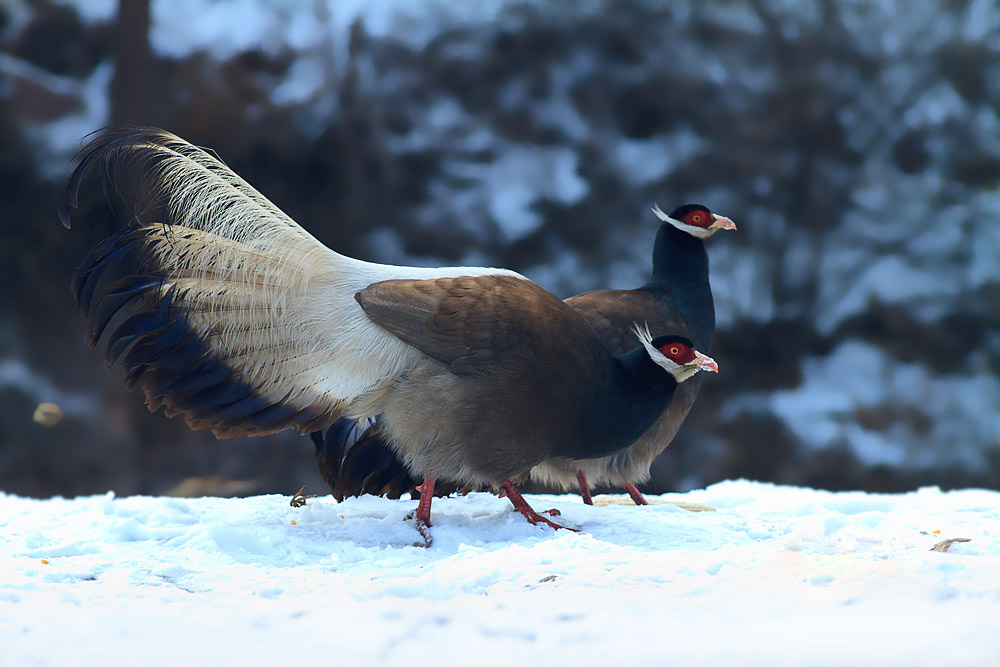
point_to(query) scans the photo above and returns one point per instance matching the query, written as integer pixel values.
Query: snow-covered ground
(775, 576)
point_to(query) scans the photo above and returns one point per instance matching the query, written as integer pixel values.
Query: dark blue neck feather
(630, 398)
(680, 275)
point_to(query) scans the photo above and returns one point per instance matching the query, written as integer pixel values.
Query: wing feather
(614, 313)
(473, 324)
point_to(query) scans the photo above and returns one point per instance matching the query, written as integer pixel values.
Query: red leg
(423, 517)
(521, 505)
(581, 478)
(634, 492)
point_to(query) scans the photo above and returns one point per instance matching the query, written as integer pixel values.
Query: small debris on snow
(212, 485)
(944, 545)
(299, 499)
(605, 499)
(47, 414)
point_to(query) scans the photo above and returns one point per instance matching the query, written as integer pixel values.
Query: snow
(739, 284)
(15, 373)
(305, 78)
(15, 68)
(92, 10)
(509, 186)
(938, 105)
(890, 279)
(644, 161)
(175, 34)
(858, 376)
(981, 20)
(60, 139)
(776, 575)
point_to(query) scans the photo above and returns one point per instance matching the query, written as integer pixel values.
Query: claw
(425, 532)
(637, 497)
(423, 514)
(507, 490)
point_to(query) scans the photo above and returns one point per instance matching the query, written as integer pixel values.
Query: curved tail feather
(354, 459)
(213, 297)
(141, 321)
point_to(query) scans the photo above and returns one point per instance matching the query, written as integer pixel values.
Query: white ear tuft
(697, 232)
(641, 332)
(646, 338)
(661, 215)
(681, 372)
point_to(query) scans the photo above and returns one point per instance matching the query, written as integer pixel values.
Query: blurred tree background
(856, 143)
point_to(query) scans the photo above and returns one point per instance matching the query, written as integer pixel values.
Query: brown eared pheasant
(227, 312)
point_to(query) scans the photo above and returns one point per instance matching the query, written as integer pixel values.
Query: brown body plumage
(677, 298)
(607, 311)
(233, 316)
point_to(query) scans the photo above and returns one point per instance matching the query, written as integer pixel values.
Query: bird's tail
(178, 332)
(228, 310)
(355, 458)
(232, 313)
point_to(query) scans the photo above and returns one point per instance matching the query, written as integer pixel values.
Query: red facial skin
(679, 353)
(698, 218)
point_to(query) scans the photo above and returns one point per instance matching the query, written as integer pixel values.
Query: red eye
(678, 352)
(697, 218)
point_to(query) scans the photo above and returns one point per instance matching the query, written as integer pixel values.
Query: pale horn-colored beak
(722, 222)
(705, 362)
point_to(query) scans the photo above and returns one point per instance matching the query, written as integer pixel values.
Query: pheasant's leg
(637, 497)
(581, 478)
(521, 505)
(423, 518)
